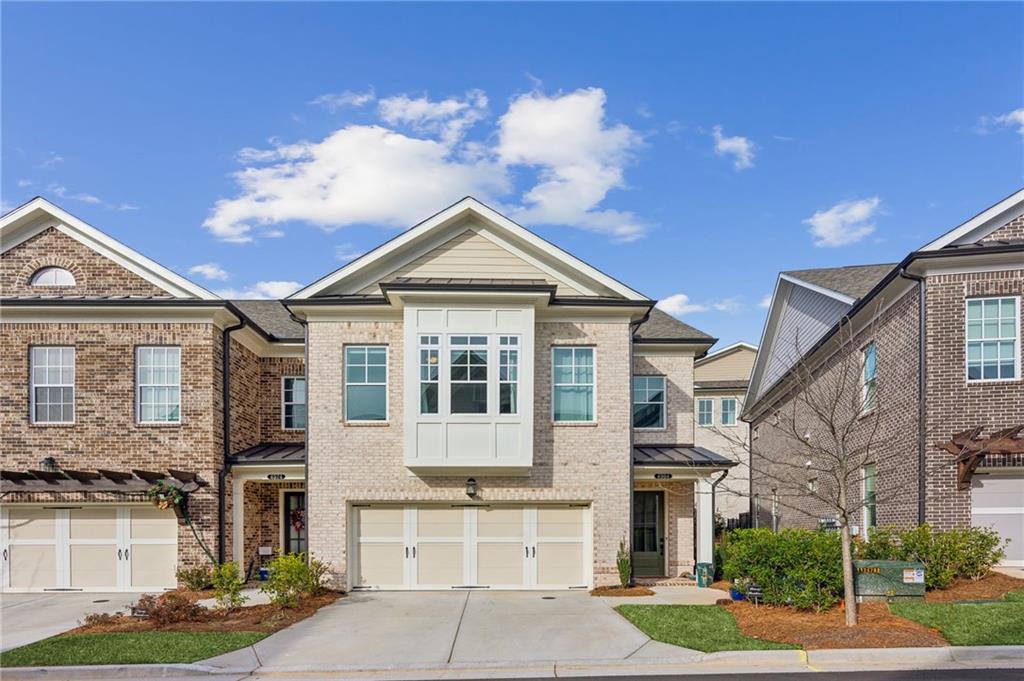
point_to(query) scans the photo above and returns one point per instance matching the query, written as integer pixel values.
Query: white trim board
(982, 224)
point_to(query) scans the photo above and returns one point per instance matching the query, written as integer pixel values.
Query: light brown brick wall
(94, 274)
(272, 369)
(570, 462)
(1014, 229)
(678, 373)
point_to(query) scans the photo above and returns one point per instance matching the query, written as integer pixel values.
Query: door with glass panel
(648, 535)
(293, 522)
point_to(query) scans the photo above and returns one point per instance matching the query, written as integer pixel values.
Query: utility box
(704, 574)
(888, 580)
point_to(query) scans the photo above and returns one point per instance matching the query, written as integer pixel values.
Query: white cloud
(209, 270)
(845, 223)
(62, 192)
(125, 206)
(766, 301)
(24, 183)
(740, 148)
(730, 305)
(52, 159)
(262, 289)
(1014, 118)
(679, 304)
(340, 100)
(578, 159)
(347, 252)
(380, 174)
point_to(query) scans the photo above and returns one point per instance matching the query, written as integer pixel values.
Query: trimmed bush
(196, 578)
(962, 552)
(227, 585)
(291, 577)
(801, 568)
(623, 562)
(169, 608)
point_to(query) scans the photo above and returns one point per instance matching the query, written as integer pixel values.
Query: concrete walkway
(30, 617)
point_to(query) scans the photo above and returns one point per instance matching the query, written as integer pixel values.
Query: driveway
(25, 618)
(381, 629)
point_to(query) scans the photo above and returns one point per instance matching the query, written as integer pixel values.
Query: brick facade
(677, 369)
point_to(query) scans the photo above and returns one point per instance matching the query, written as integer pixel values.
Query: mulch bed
(876, 628)
(621, 592)
(264, 618)
(992, 587)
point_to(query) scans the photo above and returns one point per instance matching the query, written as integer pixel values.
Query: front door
(648, 535)
(294, 521)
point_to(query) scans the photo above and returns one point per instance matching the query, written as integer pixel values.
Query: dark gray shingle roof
(272, 317)
(663, 326)
(854, 281)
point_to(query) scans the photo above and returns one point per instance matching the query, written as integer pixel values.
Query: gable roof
(724, 351)
(852, 281)
(662, 327)
(272, 317)
(29, 219)
(356, 275)
(981, 225)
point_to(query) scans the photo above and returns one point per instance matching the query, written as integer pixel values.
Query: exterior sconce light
(471, 488)
(48, 464)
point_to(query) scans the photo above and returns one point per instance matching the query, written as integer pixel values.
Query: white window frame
(1016, 345)
(387, 376)
(592, 384)
(711, 421)
(489, 383)
(864, 495)
(428, 342)
(285, 403)
(735, 410)
(57, 272)
(866, 382)
(663, 403)
(60, 384)
(509, 343)
(139, 386)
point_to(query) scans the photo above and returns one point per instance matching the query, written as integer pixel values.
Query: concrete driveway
(25, 618)
(382, 629)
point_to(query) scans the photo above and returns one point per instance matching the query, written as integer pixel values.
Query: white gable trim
(28, 220)
(446, 218)
(722, 352)
(982, 224)
(819, 289)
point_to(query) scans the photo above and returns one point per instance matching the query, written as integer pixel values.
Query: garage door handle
(406, 551)
(5, 554)
(119, 554)
(534, 552)
(527, 551)
(414, 552)
(126, 554)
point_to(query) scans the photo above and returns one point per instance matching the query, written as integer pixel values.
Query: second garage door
(997, 502)
(446, 547)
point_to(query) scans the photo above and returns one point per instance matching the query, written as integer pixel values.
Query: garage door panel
(381, 565)
(153, 565)
(33, 566)
(382, 523)
(93, 522)
(499, 564)
(32, 523)
(559, 564)
(997, 502)
(500, 523)
(440, 564)
(93, 566)
(150, 522)
(559, 522)
(440, 522)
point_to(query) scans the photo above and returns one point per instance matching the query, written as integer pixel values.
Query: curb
(123, 671)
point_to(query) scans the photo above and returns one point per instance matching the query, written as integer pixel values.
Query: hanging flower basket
(165, 496)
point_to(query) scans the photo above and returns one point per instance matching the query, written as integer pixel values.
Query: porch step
(665, 581)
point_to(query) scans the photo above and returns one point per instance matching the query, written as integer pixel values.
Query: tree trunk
(849, 595)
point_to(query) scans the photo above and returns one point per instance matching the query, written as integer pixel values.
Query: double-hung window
(728, 411)
(993, 337)
(366, 383)
(468, 374)
(648, 401)
(53, 385)
(158, 384)
(293, 402)
(705, 412)
(430, 358)
(572, 384)
(870, 473)
(508, 374)
(869, 387)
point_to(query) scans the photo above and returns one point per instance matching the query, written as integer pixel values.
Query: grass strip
(145, 647)
(708, 628)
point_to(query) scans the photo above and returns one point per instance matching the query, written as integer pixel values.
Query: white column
(238, 519)
(705, 520)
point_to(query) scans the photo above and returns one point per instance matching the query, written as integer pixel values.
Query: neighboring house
(720, 384)
(939, 339)
(453, 409)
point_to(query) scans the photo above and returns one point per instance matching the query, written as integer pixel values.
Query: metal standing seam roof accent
(679, 455)
(269, 454)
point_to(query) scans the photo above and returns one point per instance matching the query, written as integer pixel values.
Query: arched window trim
(52, 275)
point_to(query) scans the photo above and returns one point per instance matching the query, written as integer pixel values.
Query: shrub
(94, 619)
(802, 568)
(196, 578)
(171, 607)
(227, 585)
(983, 548)
(623, 561)
(291, 577)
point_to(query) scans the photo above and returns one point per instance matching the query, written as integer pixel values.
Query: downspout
(921, 392)
(633, 326)
(725, 473)
(305, 431)
(222, 476)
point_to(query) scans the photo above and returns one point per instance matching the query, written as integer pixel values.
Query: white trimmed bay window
(158, 384)
(53, 385)
(467, 367)
(572, 384)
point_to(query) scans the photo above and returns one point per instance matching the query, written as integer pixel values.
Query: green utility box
(704, 574)
(888, 580)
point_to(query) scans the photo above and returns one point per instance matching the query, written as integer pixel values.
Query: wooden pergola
(970, 448)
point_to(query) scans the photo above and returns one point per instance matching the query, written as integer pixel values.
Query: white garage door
(87, 548)
(446, 547)
(997, 501)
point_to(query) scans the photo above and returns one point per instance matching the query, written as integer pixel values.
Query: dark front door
(294, 520)
(648, 534)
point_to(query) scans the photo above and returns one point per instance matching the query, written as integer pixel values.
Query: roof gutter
(222, 475)
(921, 391)
(633, 326)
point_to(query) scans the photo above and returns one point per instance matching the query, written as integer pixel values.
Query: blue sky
(692, 151)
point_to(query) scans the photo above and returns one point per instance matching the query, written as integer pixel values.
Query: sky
(692, 151)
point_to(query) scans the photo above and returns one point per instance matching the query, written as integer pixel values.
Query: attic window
(53, 276)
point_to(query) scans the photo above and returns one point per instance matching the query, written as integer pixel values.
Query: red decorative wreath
(298, 519)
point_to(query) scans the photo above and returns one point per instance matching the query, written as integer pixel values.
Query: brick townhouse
(466, 405)
(937, 343)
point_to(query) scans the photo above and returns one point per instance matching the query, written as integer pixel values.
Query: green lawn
(707, 628)
(148, 647)
(970, 624)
